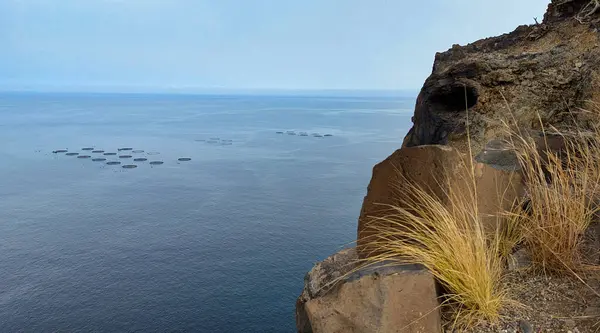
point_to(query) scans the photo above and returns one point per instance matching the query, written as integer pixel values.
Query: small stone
(519, 260)
(525, 326)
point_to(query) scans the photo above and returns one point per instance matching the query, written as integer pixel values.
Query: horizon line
(214, 91)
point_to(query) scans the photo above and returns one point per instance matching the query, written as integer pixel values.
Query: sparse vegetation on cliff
(449, 238)
(447, 235)
(537, 270)
(562, 179)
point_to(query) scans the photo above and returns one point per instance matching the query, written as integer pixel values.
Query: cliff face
(541, 73)
(546, 70)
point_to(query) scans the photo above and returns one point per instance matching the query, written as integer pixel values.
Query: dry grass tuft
(448, 238)
(561, 184)
(510, 230)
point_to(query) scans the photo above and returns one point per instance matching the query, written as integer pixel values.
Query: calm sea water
(217, 244)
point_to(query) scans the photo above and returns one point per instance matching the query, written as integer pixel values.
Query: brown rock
(377, 299)
(539, 71)
(426, 166)
(440, 170)
(319, 280)
(497, 192)
(499, 182)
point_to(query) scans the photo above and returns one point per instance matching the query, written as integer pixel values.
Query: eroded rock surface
(495, 183)
(538, 72)
(381, 298)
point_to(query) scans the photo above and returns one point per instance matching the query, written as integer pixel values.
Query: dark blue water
(217, 244)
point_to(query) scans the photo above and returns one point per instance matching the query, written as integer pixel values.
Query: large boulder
(493, 179)
(340, 297)
(430, 167)
(537, 72)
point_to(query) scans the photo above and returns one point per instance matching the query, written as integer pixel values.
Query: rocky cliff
(537, 76)
(547, 70)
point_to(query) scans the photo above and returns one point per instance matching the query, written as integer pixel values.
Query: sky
(138, 45)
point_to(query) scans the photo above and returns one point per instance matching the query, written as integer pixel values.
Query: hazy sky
(247, 44)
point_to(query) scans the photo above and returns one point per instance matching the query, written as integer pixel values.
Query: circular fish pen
(98, 159)
(113, 163)
(184, 159)
(156, 162)
(72, 154)
(129, 166)
(125, 156)
(83, 156)
(141, 159)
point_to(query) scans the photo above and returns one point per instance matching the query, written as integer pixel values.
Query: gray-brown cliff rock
(543, 71)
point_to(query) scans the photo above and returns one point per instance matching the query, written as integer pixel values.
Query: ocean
(219, 243)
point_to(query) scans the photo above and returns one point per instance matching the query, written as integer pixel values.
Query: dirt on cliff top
(548, 304)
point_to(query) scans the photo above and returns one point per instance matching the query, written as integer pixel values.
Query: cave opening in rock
(452, 98)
